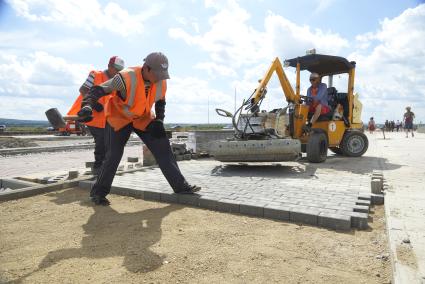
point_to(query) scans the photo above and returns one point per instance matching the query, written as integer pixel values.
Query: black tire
(354, 144)
(336, 150)
(317, 147)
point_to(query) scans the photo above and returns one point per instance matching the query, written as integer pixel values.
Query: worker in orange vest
(130, 109)
(97, 122)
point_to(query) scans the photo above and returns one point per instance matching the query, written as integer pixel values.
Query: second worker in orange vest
(130, 109)
(96, 123)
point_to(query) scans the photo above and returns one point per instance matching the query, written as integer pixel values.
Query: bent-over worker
(130, 109)
(96, 123)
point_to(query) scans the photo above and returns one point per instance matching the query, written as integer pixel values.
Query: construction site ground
(60, 237)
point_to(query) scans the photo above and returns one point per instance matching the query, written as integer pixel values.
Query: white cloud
(392, 74)
(214, 69)
(88, 15)
(188, 99)
(40, 80)
(29, 108)
(232, 41)
(32, 40)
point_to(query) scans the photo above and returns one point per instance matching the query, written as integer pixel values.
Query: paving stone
(377, 199)
(152, 195)
(361, 208)
(363, 202)
(376, 186)
(359, 220)
(277, 212)
(304, 215)
(227, 205)
(132, 159)
(252, 209)
(169, 197)
(188, 199)
(208, 203)
(334, 221)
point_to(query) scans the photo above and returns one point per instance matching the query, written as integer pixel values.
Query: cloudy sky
(216, 49)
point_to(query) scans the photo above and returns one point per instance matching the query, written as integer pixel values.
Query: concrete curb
(31, 150)
(35, 189)
(40, 189)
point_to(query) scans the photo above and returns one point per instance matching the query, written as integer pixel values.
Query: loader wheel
(317, 147)
(354, 144)
(336, 150)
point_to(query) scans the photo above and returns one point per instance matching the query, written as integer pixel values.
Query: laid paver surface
(327, 197)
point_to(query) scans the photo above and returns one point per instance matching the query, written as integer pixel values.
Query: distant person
(398, 125)
(408, 121)
(97, 123)
(371, 125)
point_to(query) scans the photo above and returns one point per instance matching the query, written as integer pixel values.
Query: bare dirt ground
(60, 238)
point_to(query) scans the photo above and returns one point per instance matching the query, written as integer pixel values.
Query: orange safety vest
(137, 106)
(99, 119)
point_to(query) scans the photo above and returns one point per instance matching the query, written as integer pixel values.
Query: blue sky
(214, 48)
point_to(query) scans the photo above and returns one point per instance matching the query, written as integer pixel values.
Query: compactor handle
(222, 112)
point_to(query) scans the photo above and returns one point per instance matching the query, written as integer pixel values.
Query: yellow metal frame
(335, 129)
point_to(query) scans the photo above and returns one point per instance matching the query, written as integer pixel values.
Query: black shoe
(346, 122)
(189, 189)
(307, 128)
(99, 200)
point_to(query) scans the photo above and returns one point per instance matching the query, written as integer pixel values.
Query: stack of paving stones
(180, 151)
(335, 200)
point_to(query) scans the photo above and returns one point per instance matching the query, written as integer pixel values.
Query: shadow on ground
(109, 233)
(304, 169)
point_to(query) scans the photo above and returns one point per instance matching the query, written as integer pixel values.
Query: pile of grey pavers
(181, 152)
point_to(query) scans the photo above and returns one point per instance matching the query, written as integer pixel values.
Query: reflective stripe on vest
(132, 93)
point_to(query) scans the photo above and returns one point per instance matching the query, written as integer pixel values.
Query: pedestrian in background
(371, 125)
(408, 121)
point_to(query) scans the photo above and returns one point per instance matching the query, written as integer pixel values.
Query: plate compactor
(281, 134)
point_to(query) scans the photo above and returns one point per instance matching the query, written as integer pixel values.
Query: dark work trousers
(115, 142)
(99, 145)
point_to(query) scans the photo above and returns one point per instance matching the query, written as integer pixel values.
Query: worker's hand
(156, 128)
(86, 119)
(98, 107)
(94, 94)
(85, 114)
(97, 92)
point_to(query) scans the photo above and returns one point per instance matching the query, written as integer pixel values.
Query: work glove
(85, 114)
(98, 107)
(94, 94)
(156, 128)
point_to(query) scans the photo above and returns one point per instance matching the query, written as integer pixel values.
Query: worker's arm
(84, 89)
(160, 109)
(96, 92)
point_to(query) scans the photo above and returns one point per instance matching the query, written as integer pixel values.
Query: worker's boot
(188, 189)
(100, 200)
(307, 127)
